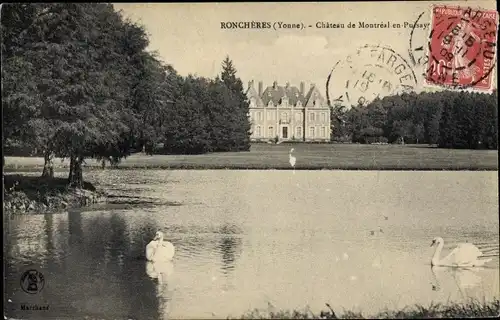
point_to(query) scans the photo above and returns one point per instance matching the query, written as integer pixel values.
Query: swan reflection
(463, 278)
(161, 270)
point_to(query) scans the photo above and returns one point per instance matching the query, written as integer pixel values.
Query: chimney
(302, 88)
(312, 85)
(275, 85)
(260, 88)
(250, 84)
(288, 85)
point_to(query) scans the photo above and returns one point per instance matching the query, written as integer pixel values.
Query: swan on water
(159, 250)
(292, 160)
(464, 255)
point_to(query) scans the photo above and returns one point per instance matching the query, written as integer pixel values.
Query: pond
(358, 240)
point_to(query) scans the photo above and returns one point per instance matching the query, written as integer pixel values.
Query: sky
(189, 37)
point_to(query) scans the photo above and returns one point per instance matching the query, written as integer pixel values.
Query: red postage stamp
(462, 48)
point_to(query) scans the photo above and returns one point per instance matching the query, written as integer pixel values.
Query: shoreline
(471, 309)
(36, 195)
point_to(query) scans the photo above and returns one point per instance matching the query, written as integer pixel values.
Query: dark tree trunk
(75, 178)
(71, 168)
(3, 175)
(48, 168)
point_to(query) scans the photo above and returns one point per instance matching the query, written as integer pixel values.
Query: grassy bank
(473, 309)
(309, 157)
(34, 194)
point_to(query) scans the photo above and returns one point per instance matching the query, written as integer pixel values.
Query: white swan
(159, 250)
(292, 160)
(464, 255)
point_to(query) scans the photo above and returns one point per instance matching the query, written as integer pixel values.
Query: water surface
(256, 239)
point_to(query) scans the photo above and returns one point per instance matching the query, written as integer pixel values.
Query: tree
(187, 131)
(151, 97)
(490, 134)
(418, 132)
(75, 81)
(228, 76)
(432, 109)
(19, 99)
(447, 126)
(339, 124)
(237, 108)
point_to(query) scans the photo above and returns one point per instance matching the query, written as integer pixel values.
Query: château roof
(252, 93)
(312, 95)
(276, 93)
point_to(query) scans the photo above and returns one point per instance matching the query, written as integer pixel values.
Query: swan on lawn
(464, 255)
(292, 160)
(159, 250)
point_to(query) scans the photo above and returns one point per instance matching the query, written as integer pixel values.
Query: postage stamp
(462, 48)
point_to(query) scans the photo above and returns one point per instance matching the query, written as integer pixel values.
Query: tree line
(448, 119)
(78, 82)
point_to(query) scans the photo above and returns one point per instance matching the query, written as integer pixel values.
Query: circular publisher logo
(32, 281)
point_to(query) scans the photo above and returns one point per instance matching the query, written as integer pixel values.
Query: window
(270, 115)
(298, 117)
(258, 131)
(270, 132)
(311, 132)
(284, 101)
(323, 132)
(298, 132)
(259, 116)
(323, 117)
(311, 116)
(284, 116)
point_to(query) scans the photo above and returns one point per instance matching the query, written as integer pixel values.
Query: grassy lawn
(309, 156)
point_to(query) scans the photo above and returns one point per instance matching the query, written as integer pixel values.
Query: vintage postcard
(250, 160)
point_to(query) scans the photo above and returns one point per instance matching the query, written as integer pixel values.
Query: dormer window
(299, 104)
(284, 101)
(270, 103)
